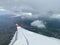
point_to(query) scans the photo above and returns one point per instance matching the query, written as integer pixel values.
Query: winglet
(17, 25)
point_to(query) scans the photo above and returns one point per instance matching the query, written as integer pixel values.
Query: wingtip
(17, 25)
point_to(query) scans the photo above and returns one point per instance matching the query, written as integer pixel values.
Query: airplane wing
(25, 37)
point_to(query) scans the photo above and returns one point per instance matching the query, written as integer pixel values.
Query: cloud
(38, 23)
(2, 9)
(23, 15)
(32, 6)
(40, 5)
(55, 16)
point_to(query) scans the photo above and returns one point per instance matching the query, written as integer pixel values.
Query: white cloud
(2, 9)
(38, 23)
(28, 14)
(55, 16)
(23, 15)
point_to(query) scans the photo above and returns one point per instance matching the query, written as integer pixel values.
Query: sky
(38, 8)
(41, 6)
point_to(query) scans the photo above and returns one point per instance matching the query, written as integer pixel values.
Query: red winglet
(17, 25)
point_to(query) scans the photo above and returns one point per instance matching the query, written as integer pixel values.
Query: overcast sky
(41, 6)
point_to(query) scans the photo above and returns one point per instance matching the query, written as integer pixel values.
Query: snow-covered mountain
(25, 37)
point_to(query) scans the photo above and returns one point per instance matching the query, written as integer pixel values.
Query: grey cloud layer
(41, 6)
